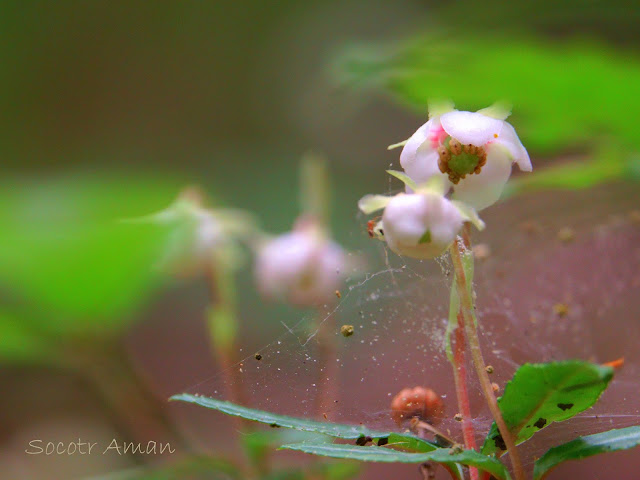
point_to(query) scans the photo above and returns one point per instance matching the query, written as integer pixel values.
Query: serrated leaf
(335, 430)
(582, 447)
(388, 455)
(540, 394)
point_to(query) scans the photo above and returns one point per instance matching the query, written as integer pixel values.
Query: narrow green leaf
(387, 455)
(540, 394)
(332, 429)
(583, 447)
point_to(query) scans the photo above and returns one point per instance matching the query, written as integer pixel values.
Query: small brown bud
(419, 402)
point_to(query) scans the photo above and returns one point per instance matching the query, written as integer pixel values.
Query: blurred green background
(110, 108)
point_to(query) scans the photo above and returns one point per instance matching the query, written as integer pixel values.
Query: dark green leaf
(540, 394)
(332, 429)
(583, 447)
(383, 454)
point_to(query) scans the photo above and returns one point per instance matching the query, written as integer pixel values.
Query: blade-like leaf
(372, 203)
(382, 454)
(275, 420)
(583, 447)
(540, 394)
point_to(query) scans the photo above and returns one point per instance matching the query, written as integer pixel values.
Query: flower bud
(420, 402)
(302, 267)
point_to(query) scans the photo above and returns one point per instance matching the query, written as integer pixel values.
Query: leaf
(540, 394)
(544, 80)
(387, 455)
(583, 447)
(469, 214)
(275, 420)
(67, 264)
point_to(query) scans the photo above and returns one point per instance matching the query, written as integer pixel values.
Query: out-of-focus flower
(421, 224)
(303, 267)
(472, 151)
(199, 237)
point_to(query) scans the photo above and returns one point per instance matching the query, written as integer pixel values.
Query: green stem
(466, 306)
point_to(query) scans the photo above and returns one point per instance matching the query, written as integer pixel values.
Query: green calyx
(426, 238)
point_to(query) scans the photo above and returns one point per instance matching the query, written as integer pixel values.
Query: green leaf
(545, 81)
(67, 262)
(275, 420)
(426, 238)
(382, 454)
(583, 447)
(540, 394)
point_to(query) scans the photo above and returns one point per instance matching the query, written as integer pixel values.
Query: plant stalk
(466, 307)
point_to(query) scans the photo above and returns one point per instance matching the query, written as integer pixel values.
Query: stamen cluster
(457, 161)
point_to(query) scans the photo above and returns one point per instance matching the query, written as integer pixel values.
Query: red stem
(463, 392)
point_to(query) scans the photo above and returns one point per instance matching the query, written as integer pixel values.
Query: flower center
(457, 160)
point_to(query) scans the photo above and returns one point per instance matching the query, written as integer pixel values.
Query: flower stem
(462, 392)
(466, 308)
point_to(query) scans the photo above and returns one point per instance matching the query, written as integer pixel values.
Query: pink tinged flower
(471, 151)
(301, 267)
(421, 224)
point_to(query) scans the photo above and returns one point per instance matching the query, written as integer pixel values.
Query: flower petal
(408, 154)
(509, 138)
(484, 189)
(471, 127)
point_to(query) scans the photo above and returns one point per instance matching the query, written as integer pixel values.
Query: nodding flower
(471, 151)
(421, 224)
(302, 267)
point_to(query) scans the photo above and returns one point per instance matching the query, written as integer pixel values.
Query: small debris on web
(489, 369)
(458, 417)
(338, 294)
(566, 235)
(346, 330)
(561, 309)
(495, 387)
(257, 356)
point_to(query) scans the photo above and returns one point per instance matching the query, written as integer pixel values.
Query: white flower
(199, 237)
(472, 151)
(302, 267)
(421, 224)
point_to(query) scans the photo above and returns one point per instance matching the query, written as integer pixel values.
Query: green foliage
(540, 394)
(68, 265)
(583, 447)
(274, 420)
(383, 454)
(555, 104)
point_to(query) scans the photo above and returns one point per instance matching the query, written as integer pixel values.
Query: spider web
(539, 299)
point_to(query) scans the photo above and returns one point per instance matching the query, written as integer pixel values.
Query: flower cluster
(454, 165)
